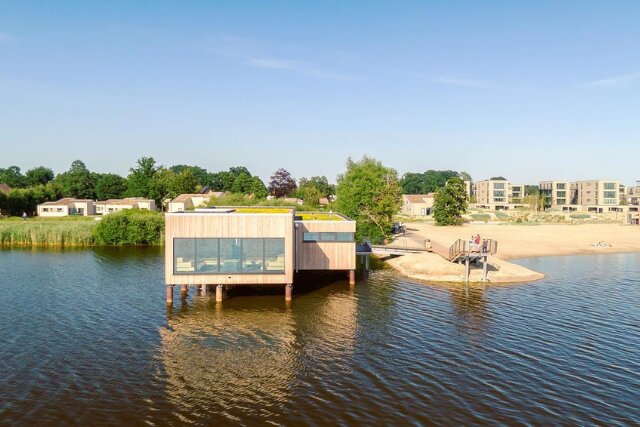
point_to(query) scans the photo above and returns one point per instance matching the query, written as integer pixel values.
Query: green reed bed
(46, 233)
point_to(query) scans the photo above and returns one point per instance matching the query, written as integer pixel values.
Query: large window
(561, 186)
(610, 194)
(328, 237)
(498, 185)
(609, 185)
(223, 256)
(499, 194)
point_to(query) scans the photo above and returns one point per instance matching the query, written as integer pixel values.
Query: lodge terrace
(265, 246)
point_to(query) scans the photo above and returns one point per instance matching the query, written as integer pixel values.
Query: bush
(130, 227)
(481, 217)
(503, 216)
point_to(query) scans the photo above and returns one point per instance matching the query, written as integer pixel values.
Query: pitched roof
(417, 198)
(5, 188)
(64, 202)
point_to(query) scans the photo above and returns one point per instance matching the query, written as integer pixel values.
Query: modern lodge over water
(234, 246)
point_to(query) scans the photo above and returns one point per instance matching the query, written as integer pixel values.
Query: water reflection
(243, 359)
(470, 306)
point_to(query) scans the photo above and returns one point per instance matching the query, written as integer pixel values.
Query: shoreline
(514, 243)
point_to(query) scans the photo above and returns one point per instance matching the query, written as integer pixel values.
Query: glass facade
(498, 185)
(328, 237)
(610, 194)
(228, 255)
(609, 185)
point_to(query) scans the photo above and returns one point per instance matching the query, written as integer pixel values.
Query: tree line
(150, 180)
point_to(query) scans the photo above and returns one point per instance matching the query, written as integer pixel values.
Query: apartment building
(498, 194)
(597, 196)
(559, 195)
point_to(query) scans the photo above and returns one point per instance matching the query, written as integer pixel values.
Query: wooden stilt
(184, 289)
(466, 269)
(170, 294)
(288, 291)
(352, 277)
(484, 269)
(219, 293)
(205, 288)
(367, 265)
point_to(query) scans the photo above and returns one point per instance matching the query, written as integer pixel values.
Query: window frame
(219, 271)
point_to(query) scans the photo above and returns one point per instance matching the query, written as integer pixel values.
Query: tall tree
(465, 176)
(200, 174)
(450, 203)
(370, 193)
(39, 175)
(140, 176)
(110, 186)
(321, 183)
(13, 177)
(258, 189)
(77, 181)
(281, 183)
(426, 182)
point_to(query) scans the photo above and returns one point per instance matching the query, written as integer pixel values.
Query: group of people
(475, 243)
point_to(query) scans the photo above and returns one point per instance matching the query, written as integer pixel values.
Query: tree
(242, 184)
(465, 176)
(140, 176)
(12, 176)
(427, 182)
(258, 189)
(39, 175)
(200, 174)
(281, 183)
(321, 183)
(450, 203)
(110, 186)
(369, 193)
(77, 181)
(311, 195)
(531, 190)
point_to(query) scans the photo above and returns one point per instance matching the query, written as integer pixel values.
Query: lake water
(86, 339)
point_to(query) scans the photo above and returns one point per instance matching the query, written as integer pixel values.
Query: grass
(262, 210)
(319, 216)
(70, 218)
(46, 233)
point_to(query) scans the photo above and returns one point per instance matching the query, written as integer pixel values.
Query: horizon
(532, 92)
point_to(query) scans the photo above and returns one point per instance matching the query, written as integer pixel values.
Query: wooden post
(466, 269)
(183, 290)
(219, 294)
(367, 265)
(170, 294)
(288, 290)
(484, 269)
(204, 289)
(352, 277)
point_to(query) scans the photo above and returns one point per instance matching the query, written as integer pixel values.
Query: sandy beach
(513, 242)
(516, 241)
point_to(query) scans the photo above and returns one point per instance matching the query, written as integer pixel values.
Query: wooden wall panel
(325, 255)
(220, 225)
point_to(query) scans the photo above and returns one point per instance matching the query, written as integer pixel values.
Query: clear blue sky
(528, 90)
